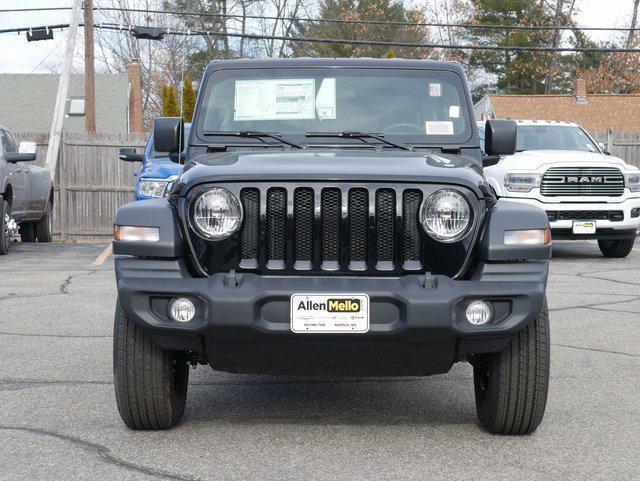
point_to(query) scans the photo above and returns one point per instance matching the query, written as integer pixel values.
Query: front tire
(44, 227)
(616, 248)
(511, 386)
(150, 382)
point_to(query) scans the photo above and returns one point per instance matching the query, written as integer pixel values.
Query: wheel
(616, 248)
(27, 232)
(150, 382)
(511, 386)
(5, 227)
(44, 227)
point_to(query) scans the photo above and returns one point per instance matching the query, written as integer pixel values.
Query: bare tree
(634, 21)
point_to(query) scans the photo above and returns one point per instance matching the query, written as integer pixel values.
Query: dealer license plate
(329, 313)
(584, 227)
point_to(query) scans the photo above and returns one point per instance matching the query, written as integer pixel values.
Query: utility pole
(89, 70)
(63, 90)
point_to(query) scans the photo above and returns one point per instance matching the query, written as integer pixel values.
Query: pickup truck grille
(582, 181)
(332, 229)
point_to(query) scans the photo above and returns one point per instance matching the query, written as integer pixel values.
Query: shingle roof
(599, 113)
(27, 102)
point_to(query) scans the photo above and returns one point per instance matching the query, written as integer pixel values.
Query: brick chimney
(581, 91)
(135, 98)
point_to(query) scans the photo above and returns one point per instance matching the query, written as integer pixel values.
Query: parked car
(586, 192)
(157, 171)
(332, 219)
(26, 194)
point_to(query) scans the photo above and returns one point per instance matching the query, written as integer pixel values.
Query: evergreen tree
(388, 10)
(188, 99)
(169, 102)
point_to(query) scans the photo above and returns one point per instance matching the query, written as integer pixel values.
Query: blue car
(157, 171)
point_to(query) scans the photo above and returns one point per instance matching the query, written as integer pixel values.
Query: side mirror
(168, 134)
(27, 147)
(603, 148)
(127, 154)
(500, 137)
(14, 157)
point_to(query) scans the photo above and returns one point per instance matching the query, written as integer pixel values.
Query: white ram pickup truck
(586, 192)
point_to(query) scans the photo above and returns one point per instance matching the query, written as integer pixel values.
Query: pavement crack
(63, 288)
(103, 452)
(593, 349)
(597, 305)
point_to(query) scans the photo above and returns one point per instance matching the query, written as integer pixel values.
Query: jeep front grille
(333, 229)
(582, 181)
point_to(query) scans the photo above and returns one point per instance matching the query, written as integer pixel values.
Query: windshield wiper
(255, 135)
(359, 135)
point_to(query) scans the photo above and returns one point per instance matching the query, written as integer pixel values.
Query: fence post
(62, 187)
(610, 140)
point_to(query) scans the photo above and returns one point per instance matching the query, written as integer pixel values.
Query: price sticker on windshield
(435, 90)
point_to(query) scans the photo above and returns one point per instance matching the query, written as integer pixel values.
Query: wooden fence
(91, 183)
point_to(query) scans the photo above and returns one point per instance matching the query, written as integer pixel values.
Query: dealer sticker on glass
(329, 313)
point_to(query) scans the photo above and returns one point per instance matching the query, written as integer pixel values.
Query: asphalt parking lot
(58, 418)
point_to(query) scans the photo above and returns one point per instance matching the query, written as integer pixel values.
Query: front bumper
(416, 327)
(605, 228)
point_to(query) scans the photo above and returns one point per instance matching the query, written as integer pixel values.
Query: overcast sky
(18, 55)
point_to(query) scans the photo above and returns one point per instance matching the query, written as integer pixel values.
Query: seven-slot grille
(582, 181)
(333, 229)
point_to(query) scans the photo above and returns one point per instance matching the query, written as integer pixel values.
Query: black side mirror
(500, 137)
(168, 134)
(14, 157)
(128, 154)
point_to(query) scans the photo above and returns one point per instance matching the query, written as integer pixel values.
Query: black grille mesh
(411, 245)
(276, 223)
(385, 217)
(331, 205)
(358, 221)
(303, 218)
(250, 199)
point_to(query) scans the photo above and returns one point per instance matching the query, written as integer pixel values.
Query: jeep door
(17, 177)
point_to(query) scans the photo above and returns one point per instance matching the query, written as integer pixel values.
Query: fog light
(182, 309)
(479, 312)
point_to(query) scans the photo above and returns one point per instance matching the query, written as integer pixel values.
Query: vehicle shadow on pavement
(581, 250)
(244, 399)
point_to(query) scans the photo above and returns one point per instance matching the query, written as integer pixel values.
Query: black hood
(333, 166)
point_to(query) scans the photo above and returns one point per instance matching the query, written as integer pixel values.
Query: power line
(339, 21)
(252, 36)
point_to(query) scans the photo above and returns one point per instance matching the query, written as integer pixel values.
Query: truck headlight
(154, 187)
(216, 214)
(632, 181)
(517, 182)
(445, 215)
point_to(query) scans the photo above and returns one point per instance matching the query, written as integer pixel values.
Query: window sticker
(274, 99)
(439, 127)
(454, 112)
(591, 148)
(326, 99)
(435, 90)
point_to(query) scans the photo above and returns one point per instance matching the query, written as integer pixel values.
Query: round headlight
(216, 213)
(445, 215)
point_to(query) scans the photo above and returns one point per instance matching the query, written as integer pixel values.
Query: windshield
(551, 137)
(420, 106)
(155, 155)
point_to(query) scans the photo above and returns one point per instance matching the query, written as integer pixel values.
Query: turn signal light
(528, 237)
(129, 233)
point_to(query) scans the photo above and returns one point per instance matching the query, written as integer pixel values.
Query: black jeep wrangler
(333, 219)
